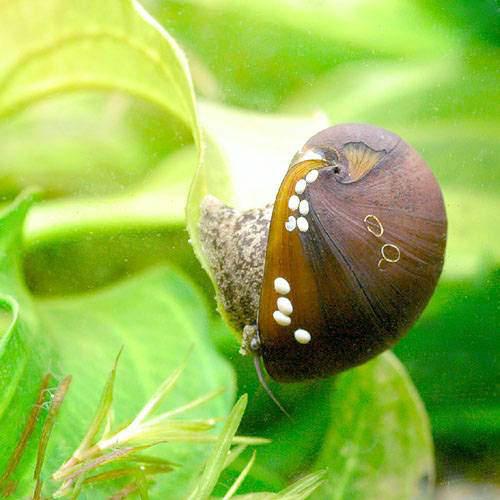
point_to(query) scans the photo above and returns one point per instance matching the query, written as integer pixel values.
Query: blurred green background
(426, 70)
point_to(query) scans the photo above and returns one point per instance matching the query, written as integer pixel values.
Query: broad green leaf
(109, 55)
(107, 47)
(22, 357)
(473, 20)
(86, 144)
(90, 261)
(110, 46)
(95, 241)
(157, 318)
(259, 52)
(379, 443)
(94, 45)
(451, 354)
(155, 204)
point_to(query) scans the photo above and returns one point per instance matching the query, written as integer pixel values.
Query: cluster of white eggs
(285, 309)
(295, 203)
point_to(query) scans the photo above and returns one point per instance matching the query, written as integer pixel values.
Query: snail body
(348, 260)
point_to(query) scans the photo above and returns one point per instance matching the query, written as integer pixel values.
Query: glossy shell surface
(361, 260)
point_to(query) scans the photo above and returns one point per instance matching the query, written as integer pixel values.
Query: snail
(342, 265)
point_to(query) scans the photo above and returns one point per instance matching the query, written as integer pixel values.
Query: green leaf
(55, 404)
(110, 46)
(93, 45)
(303, 487)
(160, 308)
(102, 412)
(217, 459)
(261, 51)
(22, 357)
(99, 47)
(299, 490)
(379, 395)
(157, 318)
(457, 332)
(140, 208)
(99, 153)
(89, 261)
(239, 480)
(379, 443)
(86, 144)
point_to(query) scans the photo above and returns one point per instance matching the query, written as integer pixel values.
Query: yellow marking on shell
(397, 255)
(371, 220)
(381, 264)
(387, 258)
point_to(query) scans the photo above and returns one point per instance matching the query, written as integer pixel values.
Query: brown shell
(368, 263)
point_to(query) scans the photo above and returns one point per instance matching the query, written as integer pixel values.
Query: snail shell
(353, 252)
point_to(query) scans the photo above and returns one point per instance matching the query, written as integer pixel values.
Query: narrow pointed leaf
(217, 458)
(239, 480)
